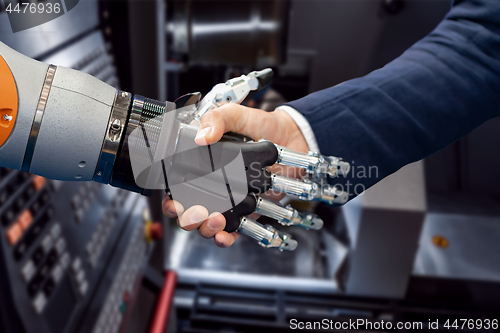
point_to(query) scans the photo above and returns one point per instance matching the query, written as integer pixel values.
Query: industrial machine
(417, 242)
(72, 254)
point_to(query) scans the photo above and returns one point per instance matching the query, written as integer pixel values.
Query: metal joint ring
(37, 121)
(113, 137)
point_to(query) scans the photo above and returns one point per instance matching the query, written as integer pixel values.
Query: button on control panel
(98, 241)
(82, 200)
(56, 265)
(115, 305)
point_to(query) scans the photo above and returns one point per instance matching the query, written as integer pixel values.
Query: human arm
(439, 90)
(436, 92)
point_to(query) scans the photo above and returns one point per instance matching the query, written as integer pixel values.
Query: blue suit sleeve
(433, 94)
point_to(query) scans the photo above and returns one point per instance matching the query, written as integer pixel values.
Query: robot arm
(63, 124)
(57, 126)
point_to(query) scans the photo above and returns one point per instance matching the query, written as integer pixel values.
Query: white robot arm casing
(74, 141)
(72, 122)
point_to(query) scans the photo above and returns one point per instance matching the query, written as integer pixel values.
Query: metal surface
(203, 261)
(384, 227)
(114, 132)
(295, 187)
(258, 281)
(37, 121)
(470, 230)
(272, 210)
(248, 32)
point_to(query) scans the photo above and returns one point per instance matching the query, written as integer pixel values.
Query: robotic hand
(256, 158)
(67, 125)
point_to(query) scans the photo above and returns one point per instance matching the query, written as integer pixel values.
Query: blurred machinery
(72, 254)
(208, 42)
(408, 239)
(251, 33)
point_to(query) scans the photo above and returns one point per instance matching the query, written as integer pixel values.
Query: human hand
(277, 127)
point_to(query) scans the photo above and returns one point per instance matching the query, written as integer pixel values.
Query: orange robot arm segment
(8, 101)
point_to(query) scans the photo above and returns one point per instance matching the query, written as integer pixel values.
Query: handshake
(223, 164)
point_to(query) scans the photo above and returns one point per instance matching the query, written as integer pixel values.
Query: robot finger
(267, 236)
(308, 190)
(314, 163)
(288, 216)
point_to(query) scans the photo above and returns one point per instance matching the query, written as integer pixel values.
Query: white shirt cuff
(303, 125)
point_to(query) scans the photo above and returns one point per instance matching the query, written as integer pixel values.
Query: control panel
(71, 253)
